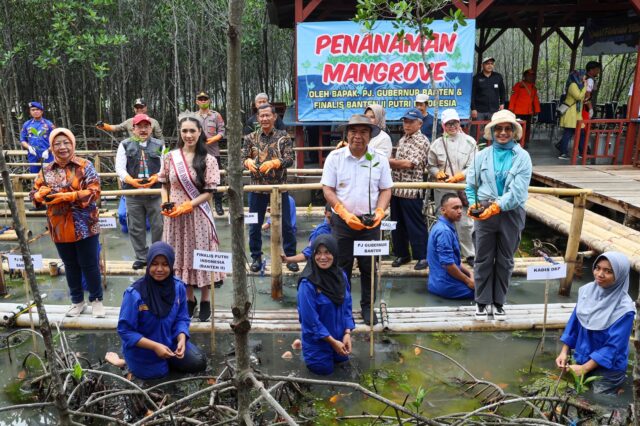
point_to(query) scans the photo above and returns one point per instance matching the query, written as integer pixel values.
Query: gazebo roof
(491, 13)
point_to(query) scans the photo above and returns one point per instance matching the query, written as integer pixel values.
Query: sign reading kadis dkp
(547, 272)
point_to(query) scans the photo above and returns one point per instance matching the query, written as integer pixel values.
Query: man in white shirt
(138, 163)
(357, 211)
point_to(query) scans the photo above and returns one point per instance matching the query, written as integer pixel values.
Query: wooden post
(544, 319)
(371, 307)
(573, 243)
(276, 236)
(20, 204)
(212, 300)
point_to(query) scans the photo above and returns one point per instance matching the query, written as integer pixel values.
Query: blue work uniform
(427, 126)
(323, 228)
(292, 215)
(319, 318)
(36, 134)
(609, 348)
(443, 250)
(137, 321)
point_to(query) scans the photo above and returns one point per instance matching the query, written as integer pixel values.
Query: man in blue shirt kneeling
(447, 276)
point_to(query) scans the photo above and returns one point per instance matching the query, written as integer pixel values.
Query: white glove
(45, 154)
(31, 150)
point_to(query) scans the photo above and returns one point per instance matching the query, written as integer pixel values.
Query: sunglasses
(203, 99)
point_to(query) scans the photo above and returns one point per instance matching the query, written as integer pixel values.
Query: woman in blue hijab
(497, 182)
(600, 325)
(154, 322)
(324, 308)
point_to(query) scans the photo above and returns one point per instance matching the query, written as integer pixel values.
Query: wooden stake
(103, 255)
(212, 299)
(544, 320)
(27, 294)
(373, 279)
(276, 235)
(573, 243)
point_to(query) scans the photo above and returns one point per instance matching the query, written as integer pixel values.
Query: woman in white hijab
(600, 326)
(382, 142)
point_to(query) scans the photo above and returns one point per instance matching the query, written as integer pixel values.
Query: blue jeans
(194, 361)
(567, 136)
(258, 203)
(81, 258)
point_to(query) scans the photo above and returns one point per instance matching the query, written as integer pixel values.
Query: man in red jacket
(524, 101)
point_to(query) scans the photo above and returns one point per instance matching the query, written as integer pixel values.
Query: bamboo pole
(276, 236)
(212, 299)
(96, 163)
(544, 319)
(371, 302)
(20, 204)
(570, 257)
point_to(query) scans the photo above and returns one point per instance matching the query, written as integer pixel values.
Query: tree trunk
(241, 305)
(45, 329)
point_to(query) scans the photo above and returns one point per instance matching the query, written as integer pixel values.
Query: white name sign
(17, 262)
(250, 218)
(212, 261)
(388, 225)
(547, 272)
(371, 248)
(107, 222)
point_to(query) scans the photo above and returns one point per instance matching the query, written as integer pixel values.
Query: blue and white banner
(342, 68)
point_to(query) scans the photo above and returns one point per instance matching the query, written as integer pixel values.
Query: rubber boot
(191, 306)
(205, 311)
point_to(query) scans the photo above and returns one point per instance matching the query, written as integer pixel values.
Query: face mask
(204, 106)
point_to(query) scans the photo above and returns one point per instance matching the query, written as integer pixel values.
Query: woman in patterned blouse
(69, 187)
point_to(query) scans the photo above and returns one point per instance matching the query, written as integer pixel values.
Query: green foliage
(417, 395)
(77, 371)
(581, 382)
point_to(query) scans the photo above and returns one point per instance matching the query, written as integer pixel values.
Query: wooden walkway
(598, 232)
(121, 267)
(424, 319)
(615, 187)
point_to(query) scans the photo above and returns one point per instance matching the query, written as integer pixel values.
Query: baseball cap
(448, 115)
(140, 118)
(413, 114)
(422, 98)
(34, 104)
(139, 102)
(202, 95)
(488, 58)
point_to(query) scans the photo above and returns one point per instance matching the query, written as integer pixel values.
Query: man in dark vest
(138, 163)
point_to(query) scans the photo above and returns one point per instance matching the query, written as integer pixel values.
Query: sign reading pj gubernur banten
(342, 68)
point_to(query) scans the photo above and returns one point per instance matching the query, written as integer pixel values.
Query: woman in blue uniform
(324, 308)
(600, 325)
(154, 323)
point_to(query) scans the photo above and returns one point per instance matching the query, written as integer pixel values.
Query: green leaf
(405, 388)
(77, 371)
(368, 156)
(376, 164)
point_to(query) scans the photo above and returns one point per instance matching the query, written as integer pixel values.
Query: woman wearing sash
(189, 177)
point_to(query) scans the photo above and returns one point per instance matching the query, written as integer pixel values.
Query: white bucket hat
(422, 97)
(503, 116)
(448, 115)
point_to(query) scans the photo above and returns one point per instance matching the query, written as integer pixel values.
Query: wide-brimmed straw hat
(362, 120)
(503, 116)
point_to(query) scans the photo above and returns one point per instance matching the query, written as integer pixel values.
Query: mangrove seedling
(418, 396)
(581, 381)
(367, 219)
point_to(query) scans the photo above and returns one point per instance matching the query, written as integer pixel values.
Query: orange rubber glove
(267, 166)
(350, 219)
(492, 210)
(106, 126)
(458, 177)
(214, 139)
(379, 215)
(441, 175)
(62, 197)
(153, 179)
(250, 164)
(133, 182)
(184, 208)
(42, 192)
(473, 206)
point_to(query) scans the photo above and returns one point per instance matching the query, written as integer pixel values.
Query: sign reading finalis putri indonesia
(342, 68)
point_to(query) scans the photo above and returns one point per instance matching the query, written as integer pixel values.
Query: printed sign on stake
(17, 262)
(212, 261)
(546, 272)
(371, 248)
(107, 222)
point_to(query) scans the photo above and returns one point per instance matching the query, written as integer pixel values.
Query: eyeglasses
(452, 123)
(500, 129)
(203, 99)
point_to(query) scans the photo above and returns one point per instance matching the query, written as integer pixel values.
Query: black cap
(139, 102)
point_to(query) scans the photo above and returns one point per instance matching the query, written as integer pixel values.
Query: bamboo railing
(577, 217)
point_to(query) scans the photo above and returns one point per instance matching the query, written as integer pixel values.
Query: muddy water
(498, 357)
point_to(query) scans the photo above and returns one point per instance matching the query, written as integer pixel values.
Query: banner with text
(342, 68)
